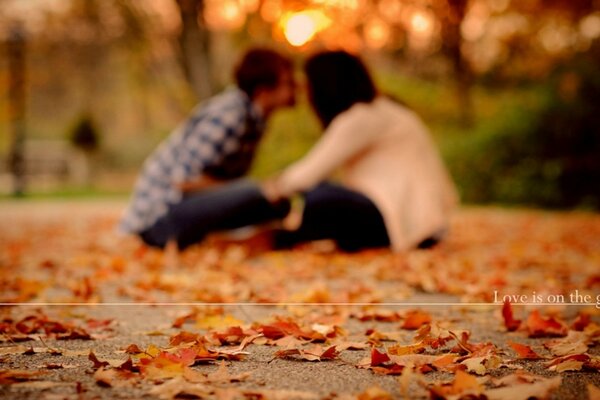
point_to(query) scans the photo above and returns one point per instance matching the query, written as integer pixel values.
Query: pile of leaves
(313, 310)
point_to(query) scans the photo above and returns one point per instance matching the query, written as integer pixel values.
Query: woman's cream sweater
(384, 151)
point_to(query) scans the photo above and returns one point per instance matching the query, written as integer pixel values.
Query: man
(180, 194)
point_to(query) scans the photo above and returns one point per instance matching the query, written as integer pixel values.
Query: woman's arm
(349, 134)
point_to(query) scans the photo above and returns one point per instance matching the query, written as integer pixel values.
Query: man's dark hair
(260, 67)
(336, 81)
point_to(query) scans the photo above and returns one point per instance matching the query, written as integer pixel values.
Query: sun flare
(299, 28)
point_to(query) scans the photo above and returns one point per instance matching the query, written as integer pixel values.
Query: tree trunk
(16, 102)
(452, 44)
(195, 51)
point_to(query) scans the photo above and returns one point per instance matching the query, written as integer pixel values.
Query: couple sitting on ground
(394, 189)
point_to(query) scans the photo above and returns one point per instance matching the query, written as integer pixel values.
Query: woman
(395, 190)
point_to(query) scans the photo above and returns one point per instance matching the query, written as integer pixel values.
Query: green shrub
(547, 154)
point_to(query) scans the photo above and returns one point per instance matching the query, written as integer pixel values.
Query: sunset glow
(299, 28)
(377, 33)
(224, 14)
(421, 23)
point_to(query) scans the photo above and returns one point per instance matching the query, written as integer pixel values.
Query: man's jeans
(230, 206)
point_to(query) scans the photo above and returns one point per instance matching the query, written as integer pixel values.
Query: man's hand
(201, 183)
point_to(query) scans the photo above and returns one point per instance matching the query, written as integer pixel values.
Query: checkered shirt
(219, 139)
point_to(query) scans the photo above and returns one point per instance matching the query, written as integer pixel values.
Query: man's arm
(211, 141)
(202, 182)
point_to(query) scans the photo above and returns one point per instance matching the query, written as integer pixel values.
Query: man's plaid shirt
(219, 139)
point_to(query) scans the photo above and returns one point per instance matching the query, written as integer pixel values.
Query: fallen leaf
(38, 385)
(379, 314)
(314, 353)
(184, 337)
(593, 392)
(19, 349)
(574, 343)
(544, 327)
(222, 375)
(113, 377)
(569, 363)
(407, 376)
(284, 327)
(217, 322)
(481, 365)
(342, 345)
(540, 390)
(510, 322)
(463, 386)
(375, 337)
(232, 335)
(378, 358)
(434, 336)
(408, 349)
(581, 322)
(10, 376)
(179, 387)
(374, 393)
(133, 349)
(97, 363)
(414, 319)
(524, 352)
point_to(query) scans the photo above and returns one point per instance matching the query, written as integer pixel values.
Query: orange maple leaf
(544, 327)
(525, 352)
(510, 322)
(415, 319)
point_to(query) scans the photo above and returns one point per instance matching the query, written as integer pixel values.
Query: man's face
(284, 94)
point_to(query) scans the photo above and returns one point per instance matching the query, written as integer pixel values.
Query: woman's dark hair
(260, 67)
(336, 81)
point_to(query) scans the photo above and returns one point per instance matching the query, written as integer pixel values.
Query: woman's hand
(270, 189)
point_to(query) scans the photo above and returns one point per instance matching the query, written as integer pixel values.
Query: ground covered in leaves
(89, 314)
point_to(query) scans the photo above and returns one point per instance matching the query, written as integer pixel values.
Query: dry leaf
(581, 322)
(414, 319)
(183, 337)
(569, 363)
(481, 365)
(217, 322)
(10, 376)
(524, 352)
(375, 337)
(315, 353)
(409, 349)
(374, 393)
(114, 377)
(222, 375)
(544, 327)
(133, 349)
(378, 314)
(539, 390)
(510, 322)
(463, 386)
(593, 392)
(38, 385)
(341, 345)
(574, 343)
(179, 387)
(167, 365)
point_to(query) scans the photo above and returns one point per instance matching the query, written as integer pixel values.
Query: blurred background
(509, 88)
